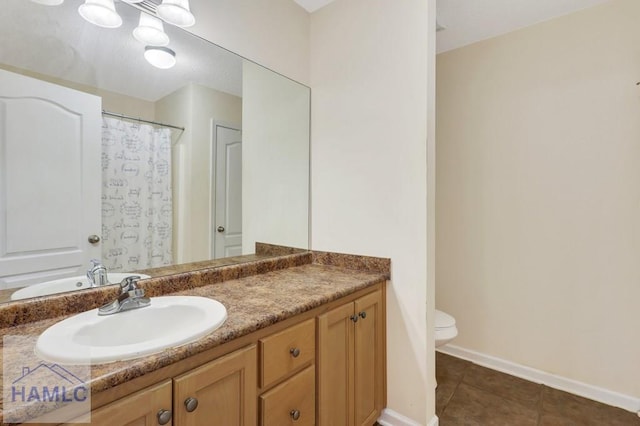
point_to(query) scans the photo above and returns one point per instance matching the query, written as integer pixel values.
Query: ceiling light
(48, 2)
(150, 31)
(176, 12)
(101, 13)
(160, 57)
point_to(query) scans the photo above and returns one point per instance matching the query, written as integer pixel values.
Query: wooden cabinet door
(140, 409)
(335, 367)
(291, 403)
(369, 359)
(225, 390)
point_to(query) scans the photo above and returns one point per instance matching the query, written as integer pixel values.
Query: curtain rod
(115, 114)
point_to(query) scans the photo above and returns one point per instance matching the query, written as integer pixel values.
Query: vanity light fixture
(101, 13)
(160, 57)
(49, 2)
(176, 12)
(150, 31)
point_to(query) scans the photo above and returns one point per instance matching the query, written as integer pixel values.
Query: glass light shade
(49, 2)
(150, 31)
(101, 13)
(160, 57)
(176, 12)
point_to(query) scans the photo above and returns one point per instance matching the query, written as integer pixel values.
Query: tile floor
(470, 395)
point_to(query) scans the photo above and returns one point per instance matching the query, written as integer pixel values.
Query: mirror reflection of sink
(67, 284)
(88, 338)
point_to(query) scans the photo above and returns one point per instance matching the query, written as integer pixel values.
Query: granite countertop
(252, 302)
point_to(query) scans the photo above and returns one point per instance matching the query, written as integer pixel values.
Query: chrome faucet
(131, 297)
(97, 274)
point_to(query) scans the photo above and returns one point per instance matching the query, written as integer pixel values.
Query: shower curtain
(136, 196)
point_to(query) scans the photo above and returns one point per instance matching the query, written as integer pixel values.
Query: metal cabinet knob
(295, 352)
(93, 239)
(363, 314)
(164, 417)
(220, 228)
(295, 414)
(191, 404)
(354, 318)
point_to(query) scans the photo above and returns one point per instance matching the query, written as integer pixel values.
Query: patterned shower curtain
(136, 196)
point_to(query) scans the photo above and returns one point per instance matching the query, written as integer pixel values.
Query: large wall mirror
(106, 156)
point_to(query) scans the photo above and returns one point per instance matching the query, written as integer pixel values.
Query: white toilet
(446, 329)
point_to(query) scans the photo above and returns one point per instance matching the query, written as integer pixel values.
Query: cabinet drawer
(292, 402)
(287, 351)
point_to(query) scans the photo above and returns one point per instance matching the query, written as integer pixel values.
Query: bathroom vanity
(303, 344)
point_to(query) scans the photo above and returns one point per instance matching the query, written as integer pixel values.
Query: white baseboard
(392, 418)
(537, 376)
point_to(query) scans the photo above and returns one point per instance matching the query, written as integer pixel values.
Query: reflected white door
(227, 223)
(50, 184)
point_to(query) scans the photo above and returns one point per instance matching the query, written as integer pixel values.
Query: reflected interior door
(227, 222)
(50, 180)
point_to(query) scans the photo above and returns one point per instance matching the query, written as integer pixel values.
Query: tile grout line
(464, 372)
(507, 398)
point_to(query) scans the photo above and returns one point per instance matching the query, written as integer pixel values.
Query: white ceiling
(313, 5)
(469, 21)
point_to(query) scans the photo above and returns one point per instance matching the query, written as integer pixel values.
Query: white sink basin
(169, 321)
(67, 284)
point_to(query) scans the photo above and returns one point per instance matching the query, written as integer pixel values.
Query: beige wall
(193, 107)
(369, 77)
(175, 108)
(431, 207)
(538, 195)
(273, 33)
(369, 61)
(127, 105)
(275, 159)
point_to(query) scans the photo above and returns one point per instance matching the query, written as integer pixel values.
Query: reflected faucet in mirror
(97, 274)
(74, 283)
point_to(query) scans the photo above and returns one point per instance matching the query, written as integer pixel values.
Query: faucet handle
(131, 297)
(130, 283)
(95, 262)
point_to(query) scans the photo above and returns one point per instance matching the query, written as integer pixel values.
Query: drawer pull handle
(164, 417)
(191, 404)
(363, 314)
(354, 318)
(295, 352)
(295, 414)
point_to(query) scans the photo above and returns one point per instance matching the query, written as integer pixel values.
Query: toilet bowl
(446, 329)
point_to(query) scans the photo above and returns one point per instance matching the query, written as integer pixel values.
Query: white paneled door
(50, 180)
(227, 223)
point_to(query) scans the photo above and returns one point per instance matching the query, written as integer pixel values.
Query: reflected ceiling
(72, 49)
